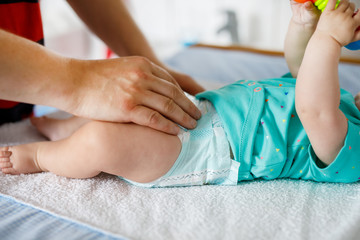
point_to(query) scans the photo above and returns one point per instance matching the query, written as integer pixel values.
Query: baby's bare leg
(57, 129)
(135, 152)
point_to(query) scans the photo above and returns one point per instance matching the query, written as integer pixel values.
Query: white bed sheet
(280, 209)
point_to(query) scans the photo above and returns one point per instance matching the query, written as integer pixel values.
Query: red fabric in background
(22, 19)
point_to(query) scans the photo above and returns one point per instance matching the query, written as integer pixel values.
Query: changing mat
(279, 209)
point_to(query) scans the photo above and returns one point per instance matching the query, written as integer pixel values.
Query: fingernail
(198, 114)
(5, 154)
(176, 130)
(193, 123)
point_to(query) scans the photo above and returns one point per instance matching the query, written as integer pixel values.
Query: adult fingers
(168, 108)
(191, 86)
(163, 74)
(177, 95)
(186, 82)
(147, 117)
(148, 66)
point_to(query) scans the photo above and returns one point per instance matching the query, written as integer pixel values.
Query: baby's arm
(301, 27)
(317, 88)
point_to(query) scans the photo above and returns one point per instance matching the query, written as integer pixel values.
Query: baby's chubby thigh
(204, 157)
(197, 157)
(137, 153)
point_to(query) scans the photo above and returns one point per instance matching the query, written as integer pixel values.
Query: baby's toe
(5, 164)
(5, 153)
(9, 170)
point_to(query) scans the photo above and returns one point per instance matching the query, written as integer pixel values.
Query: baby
(277, 128)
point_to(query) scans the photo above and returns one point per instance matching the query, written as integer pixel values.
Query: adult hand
(123, 36)
(130, 89)
(187, 83)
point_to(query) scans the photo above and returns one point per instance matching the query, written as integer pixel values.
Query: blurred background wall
(255, 23)
(171, 25)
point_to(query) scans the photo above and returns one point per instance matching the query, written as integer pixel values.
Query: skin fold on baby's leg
(134, 152)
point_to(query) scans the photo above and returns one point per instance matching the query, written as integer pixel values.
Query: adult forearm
(111, 21)
(129, 89)
(30, 73)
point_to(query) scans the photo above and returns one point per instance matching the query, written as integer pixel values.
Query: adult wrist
(68, 86)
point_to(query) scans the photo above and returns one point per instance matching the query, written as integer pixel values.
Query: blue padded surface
(216, 67)
(20, 221)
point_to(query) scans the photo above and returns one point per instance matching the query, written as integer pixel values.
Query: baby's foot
(19, 159)
(57, 129)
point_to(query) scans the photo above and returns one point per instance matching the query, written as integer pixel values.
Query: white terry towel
(281, 209)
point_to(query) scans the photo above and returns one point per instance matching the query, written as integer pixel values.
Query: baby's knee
(93, 134)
